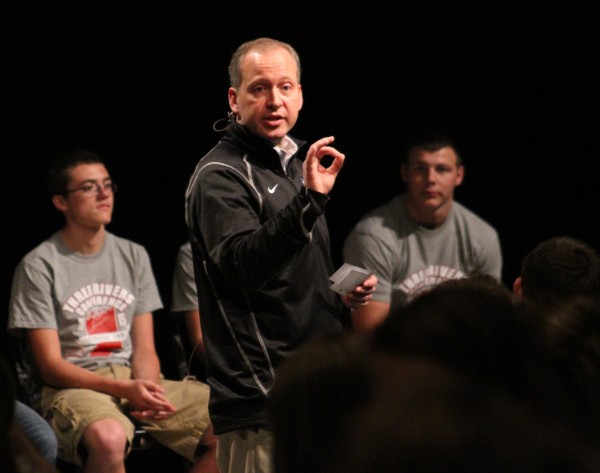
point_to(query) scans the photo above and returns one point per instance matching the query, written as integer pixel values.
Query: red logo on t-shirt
(102, 322)
(105, 348)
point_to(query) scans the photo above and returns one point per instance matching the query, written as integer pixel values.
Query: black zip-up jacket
(262, 261)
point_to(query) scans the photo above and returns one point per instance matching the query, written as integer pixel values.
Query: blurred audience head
(557, 268)
(316, 390)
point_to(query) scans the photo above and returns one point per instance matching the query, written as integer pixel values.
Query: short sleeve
(184, 296)
(31, 303)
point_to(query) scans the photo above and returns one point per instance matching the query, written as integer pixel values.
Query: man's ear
(460, 175)
(403, 171)
(233, 97)
(59, 202)
(518, 288)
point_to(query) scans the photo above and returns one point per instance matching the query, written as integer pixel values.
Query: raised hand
(316, 176)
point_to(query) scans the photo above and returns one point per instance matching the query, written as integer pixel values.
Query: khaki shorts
(247, 450)
(71, 411)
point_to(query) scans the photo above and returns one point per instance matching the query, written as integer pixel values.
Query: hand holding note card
(347, 277)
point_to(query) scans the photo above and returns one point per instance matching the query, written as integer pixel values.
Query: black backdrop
(141, 83)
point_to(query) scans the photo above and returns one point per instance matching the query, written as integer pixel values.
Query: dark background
(142, 82)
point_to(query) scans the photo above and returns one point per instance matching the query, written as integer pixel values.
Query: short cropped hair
(58, 174)
(560, 267)
(430, 141)
(261, 45)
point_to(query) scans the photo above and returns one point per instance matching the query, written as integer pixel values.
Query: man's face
(269, 97)
(431, 178)
(88, 203)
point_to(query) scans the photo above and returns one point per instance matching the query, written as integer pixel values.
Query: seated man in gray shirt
(422, 237)
(83, 300)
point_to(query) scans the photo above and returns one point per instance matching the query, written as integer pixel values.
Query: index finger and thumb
(317, 145)
(319, 150)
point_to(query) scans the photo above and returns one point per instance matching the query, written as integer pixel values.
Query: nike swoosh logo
(272, 189)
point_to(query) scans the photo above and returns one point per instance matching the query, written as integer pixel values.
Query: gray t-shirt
(90, 300)
(185, 294)
(409, 259)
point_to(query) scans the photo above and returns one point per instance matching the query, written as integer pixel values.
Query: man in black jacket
(261, 248)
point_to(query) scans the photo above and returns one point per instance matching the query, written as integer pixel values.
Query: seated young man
(423, 236)
(84, 300)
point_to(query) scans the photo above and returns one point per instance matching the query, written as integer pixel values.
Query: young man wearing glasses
(83, 300)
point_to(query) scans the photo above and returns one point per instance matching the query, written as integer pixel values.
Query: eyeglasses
(93, 188)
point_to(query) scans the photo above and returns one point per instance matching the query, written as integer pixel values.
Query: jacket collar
(258, 147)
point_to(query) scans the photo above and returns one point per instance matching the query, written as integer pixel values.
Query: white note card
(347, 277)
